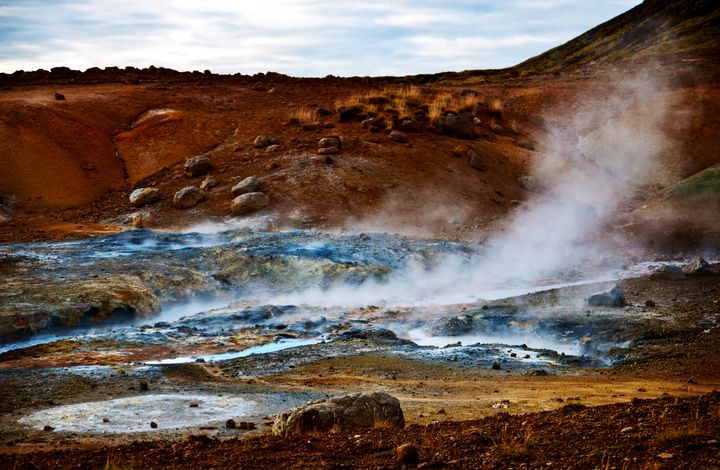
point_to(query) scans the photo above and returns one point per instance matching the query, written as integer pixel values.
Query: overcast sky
(296, 37)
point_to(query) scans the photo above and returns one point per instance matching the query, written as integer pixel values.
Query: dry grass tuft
(305, 115)
(506, 444)
(496, 108)
(675, 435)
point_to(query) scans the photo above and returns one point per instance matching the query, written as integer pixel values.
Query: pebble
(627, 430)
(407, 453)
(153, 424)
(665, 456)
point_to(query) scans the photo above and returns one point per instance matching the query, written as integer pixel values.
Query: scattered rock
(455, 125)
(700, 267)
(106, 420)
(406, 125)
(627, 430)
(6, 210)
(198, 166)
(272, 148)
(475, 160)
(530, 183)
(526, 144)
(373, 121)
(496, 366)
(246, 425)
(48, 428)
(496, 128)
(310, 126)
(328, 151)
(458, 151)
(189, 196)
(143, 220)
(264, 141)
(249, 202)
(248, 185)
(153, 424)
(230, 424)
(668, 272)
(407, 454)
(208, 183)
(665, 455)
(649, 303)
(144, 196)
(350, 113)
(194, 405)
(612, 298)
(477, 121)
(59, 96)
(329, 142)
(398, 136)
(357, 410)
(143, 386)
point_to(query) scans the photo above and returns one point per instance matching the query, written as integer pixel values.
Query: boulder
(373, 122)
(475, 160)
(189, 196)
(59, 96)
(263, 141)
(668, 272)
(699, 267)
(358, 410)
(612, 298)
(198, 166)
(350, 113)
(456, 125)
(248, 185)
(144, 196)
(249, 202)
(329, 142)
(454, 326)
(398, 136)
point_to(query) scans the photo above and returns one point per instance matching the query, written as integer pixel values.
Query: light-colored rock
(189, 196)
(198, 166)
(328, 151)
(699, 267)
(407, 454)
(330, 141)
(272, 148)
(456, 125)
(530, 183)
(144, 196)
(475, 160)
(208, 183)
(667, 272)
(143, 220)
(398, 136)
(358, 410)
(248, 185)
(263, 141)
(612, 298)
(248, 202)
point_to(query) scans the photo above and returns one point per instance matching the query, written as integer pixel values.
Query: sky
(295, 37)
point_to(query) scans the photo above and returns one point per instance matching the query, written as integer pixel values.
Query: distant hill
(655, 28)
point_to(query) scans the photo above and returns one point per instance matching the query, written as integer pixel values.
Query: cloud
(298, 37)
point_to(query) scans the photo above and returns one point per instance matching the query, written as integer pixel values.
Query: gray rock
(454, 326)
(329, 142)
(189, 196)
(526, 144)
(475, 160)
(667, 273)
(272, 148)
(208, 183)
(456, 125)
(612, 298)
(699, 267)
(248, 185)
(328, 151)
(249, 202)
(263, 141)
(530, 183)
(198, 166)
(373, 121)
(144, 196)
(6, 207)
(358, 410)
(398, 136)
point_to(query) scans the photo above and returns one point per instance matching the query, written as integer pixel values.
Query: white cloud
(298, 37)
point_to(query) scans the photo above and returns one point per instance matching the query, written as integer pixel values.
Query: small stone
(59, 96)
(272, 148)
(310, 126)
(612, 298)
(249, 202)
(665, 455)
(144, 196)
(496, 128)
(627, 430)
(246, 425)
(48, 428)
(330, 141)
(399, 136)
(208, 182)
(264, 141)
(143, 220)
(328, 151)
(143, 386)
(230, 424)
(194, 405)
(458, 151)
(153, 424)
(198, 166)
(106, 420)
(189, 196)
(475, 160)
(649, 303)
(496, 366)
(526, 144)
(247, 185)
(407, 454)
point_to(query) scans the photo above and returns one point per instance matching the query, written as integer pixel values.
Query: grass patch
(513, 445)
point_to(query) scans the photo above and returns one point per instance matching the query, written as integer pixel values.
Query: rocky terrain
(509, 268)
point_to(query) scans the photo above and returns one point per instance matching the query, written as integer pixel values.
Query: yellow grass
(505, 444)
(305, 115)
(496, 108)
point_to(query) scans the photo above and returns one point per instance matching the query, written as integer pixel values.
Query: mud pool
(252, 303)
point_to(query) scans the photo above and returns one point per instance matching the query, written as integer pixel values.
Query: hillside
(655, 29)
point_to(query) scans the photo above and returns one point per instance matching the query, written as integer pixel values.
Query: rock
(649, 303)
(475, 160)
(496, 366)
(627, 430)
(208, 183)
(106, 420)
(6, 207)
(329, 160)
(194, 405)
(329, 142)
(612, 298)
(477, 121)
(454, 326)
(153, 424)
(328, 151)
(246, 425)
(458, 151)
(350, 113)
(198, 166)
(530, 183)
(496, 128)
(665, 455)
(399, 136)
(143, 386)
(373, 121)
(48, 428)
(143, 220)
(59, 96)
(378, 335)
(144, 196)
(526, 144)
(272, 148)
(407, 454)
(264, 141)
(455, 125)
(668, 272)
(699, 267)
(406, 125)
(310, 126)
(358, 410)
(189, 196)
(230, 424)
(249, 202)
(248, 185)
